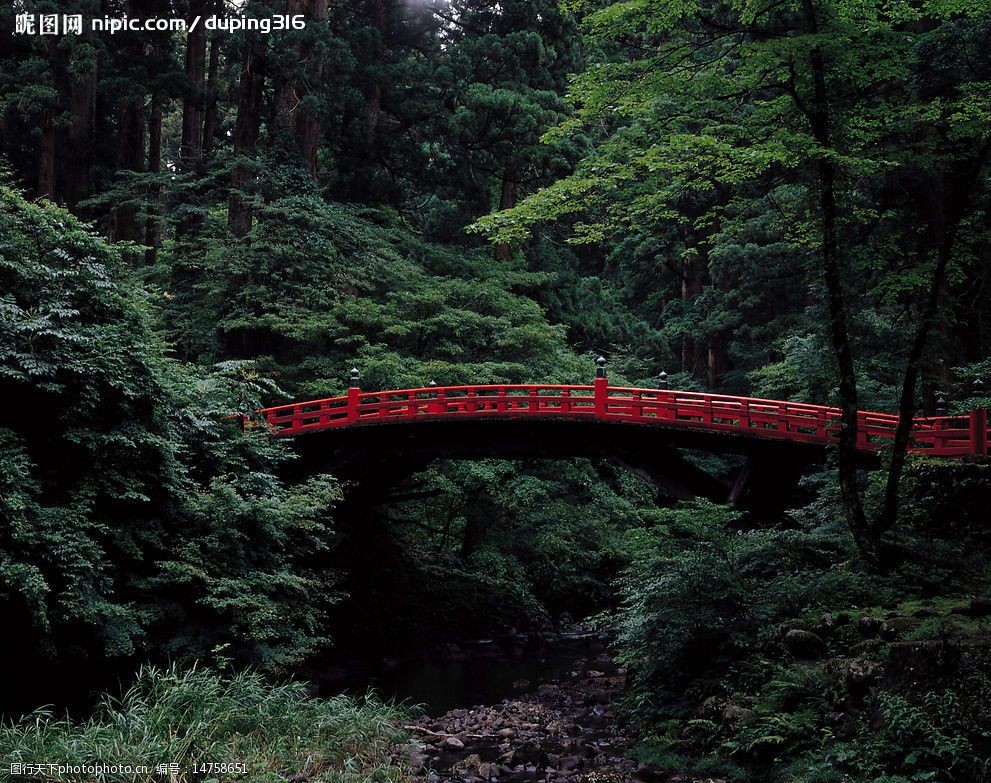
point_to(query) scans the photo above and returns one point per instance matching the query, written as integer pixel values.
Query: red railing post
(354, 394)
(601, 388)
(433, 406)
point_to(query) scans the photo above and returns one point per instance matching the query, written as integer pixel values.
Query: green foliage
(698, 174)
(927, 736)
(321, 288)
(194, 716)
(493, 545)
(698, 594)
(136, 518)
(900, 687)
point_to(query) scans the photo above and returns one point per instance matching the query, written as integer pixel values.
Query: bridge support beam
(766, 484)
(979, 432)
(673, 475)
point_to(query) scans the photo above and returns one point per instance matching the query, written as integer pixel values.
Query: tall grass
(195, 716)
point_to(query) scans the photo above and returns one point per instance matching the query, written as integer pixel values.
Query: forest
(206, 221)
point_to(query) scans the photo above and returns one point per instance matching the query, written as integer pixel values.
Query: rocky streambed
(563, 730)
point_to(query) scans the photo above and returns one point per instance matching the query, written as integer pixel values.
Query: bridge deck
(945, 436)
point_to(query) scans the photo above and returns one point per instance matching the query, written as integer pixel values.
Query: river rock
(530, 753)
(469, 765)
(597, 697)
(453, 743)
(568, 763)
(649, 775)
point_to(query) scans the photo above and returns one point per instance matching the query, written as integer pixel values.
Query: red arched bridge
(642, 428)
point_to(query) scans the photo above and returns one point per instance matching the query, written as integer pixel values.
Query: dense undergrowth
(200, 721)
(769, 654)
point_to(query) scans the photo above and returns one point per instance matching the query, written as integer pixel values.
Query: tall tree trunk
(130, 152)
(717, 359)
(287, 84)
(246, 129)
(210, 107)
(853, 507)
(46, 154)
(507, 200)
(45, 187)
(373, 90)
(79, 147)
(191, 145)
(691, 286)
(131, 138)
(307, 119)
(153, 236)
(294, 120)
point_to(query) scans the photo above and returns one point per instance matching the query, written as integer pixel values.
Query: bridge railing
(943, 435)
(753, 417)
(432, 401)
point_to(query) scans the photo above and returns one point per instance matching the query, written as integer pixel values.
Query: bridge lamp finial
(600, 370)
(977, 390)
(940, 404)
(355, 378)
(662, 380)
(432, 384)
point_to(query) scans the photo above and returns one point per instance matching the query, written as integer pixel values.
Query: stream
(528, 707)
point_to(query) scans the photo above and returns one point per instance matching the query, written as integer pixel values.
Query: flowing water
(472, 672)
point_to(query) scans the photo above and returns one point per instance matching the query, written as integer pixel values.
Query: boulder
(452, 743)
(901, 624)
(804, 644)
(735, 714)
(870, 627)
(978, 607)
(860, 676)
